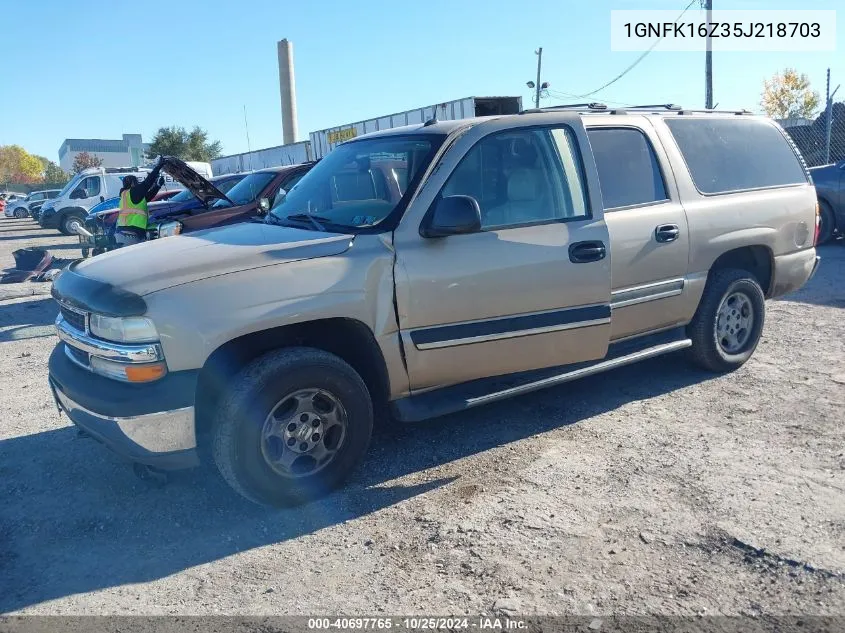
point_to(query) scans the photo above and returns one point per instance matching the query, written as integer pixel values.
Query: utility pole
(539, 86)
(708, 59)
(829, 118)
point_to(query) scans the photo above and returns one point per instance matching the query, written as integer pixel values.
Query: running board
(465, 396)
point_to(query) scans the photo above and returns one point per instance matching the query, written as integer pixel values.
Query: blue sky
(99, 69)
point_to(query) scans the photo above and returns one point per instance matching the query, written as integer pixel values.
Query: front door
(87, 192)
(648, 228)
(531, 289)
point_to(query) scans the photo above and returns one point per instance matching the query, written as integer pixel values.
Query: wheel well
(79, 212)
(755, 259)
(349, 339)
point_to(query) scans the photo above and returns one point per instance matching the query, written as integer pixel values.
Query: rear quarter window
(726, 155)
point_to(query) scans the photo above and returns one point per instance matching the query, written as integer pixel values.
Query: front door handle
(667, 233)
(585, 252)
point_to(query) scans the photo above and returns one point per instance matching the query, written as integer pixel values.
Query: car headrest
(523, 185)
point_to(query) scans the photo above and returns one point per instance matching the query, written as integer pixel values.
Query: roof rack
(594, 106)
(124, 170)
(676, 109)
(705, 111)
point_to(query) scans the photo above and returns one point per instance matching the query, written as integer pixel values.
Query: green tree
(787, 95)
(84, 160)
(177, 141)
(52, 172)
(19, 166)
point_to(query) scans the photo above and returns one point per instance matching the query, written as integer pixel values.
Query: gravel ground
(654, 489)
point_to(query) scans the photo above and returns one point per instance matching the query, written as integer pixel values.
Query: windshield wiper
(314, 219)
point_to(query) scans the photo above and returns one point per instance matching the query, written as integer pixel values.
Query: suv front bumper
(150, 423)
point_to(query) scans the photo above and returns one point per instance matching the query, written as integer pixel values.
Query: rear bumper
(793, 271)
(151, 424)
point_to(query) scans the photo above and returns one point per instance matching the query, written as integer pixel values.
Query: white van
(66, 212)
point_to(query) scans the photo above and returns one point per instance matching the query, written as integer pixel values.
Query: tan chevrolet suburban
(427, 269)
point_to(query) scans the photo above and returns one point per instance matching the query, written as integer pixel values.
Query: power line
(568, 95)
(636, 61)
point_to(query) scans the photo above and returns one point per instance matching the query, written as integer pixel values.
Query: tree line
(17, 166)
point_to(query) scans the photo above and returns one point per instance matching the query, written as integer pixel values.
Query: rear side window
(628, 171)
(725, 155)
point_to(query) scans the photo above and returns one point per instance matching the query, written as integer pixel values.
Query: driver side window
(524, 176)
(87, 188)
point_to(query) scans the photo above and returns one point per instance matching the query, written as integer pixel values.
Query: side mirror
(102, 198)
(453, 215)
(263, 205)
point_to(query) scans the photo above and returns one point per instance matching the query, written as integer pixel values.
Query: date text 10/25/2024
(481, 623)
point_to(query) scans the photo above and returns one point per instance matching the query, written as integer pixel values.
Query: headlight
(166, 229)
(123, 329)
(127, 372)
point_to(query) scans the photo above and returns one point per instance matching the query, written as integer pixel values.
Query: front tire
(727, 326)
(69, 223)
(827, 223)
(20, 214)
(292, 426)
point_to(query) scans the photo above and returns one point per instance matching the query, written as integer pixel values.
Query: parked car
(830, 188)
(23, 207)
(250, 198)
(68, 210)
(102, 217)
(424, 270)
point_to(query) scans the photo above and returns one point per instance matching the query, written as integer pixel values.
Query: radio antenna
(248, 147)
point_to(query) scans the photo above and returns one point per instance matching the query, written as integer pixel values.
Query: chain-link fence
(820, 142)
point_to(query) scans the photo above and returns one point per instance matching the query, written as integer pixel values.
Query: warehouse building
(130, 151)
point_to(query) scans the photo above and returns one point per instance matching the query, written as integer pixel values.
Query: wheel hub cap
(734, 322)
(303, 432)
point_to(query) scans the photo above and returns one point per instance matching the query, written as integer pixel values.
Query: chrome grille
(74, 319)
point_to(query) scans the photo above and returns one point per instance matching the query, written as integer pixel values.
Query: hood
(196, 184)
(172, 261)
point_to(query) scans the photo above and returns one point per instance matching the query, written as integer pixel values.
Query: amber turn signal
(145, 373)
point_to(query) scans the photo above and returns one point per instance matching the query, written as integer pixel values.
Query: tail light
(818, 225)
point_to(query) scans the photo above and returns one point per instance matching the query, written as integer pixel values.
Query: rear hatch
(204, 191)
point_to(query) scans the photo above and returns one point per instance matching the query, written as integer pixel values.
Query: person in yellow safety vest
(132, 217)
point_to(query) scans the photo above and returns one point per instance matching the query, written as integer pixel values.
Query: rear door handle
(667, 233)
(586, 252)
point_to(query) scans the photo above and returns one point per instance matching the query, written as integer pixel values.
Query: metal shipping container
(259, 159)
(323, 141)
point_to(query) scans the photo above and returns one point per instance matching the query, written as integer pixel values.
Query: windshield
(359, 183)
(247, 189)
(71, 183)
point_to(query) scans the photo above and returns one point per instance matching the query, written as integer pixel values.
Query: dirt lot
(655, 489)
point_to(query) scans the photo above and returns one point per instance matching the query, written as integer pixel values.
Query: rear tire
(827, 223)
(282, 400)
(69, 222)
(727, 326)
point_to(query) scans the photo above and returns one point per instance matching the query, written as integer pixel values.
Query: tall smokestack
(287, 90)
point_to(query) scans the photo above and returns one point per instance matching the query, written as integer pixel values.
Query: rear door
(531, 289)
(647, 226)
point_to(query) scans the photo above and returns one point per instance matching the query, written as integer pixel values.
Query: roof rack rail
(122, 170)
(568, 106)
(656, 106)
(706, 111)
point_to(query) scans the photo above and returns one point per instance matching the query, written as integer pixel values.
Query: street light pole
(539, 63)
(708, 59)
